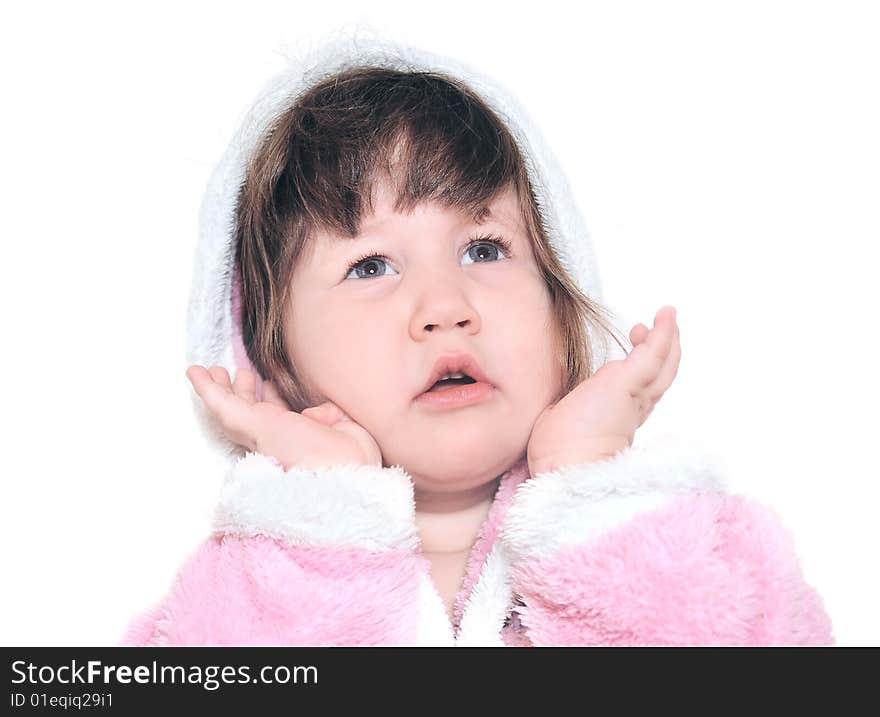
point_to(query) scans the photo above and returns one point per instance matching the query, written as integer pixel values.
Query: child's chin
(439, 459)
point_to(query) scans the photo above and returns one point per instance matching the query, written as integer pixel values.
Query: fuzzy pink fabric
(257, 591)
(708, 569)
(488, 534)
(514, 633)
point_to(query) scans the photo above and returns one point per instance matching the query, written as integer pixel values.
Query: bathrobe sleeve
(646, 548)
(298, 557)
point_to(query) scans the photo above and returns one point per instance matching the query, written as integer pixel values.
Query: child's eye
(480, 250)
(367, 267)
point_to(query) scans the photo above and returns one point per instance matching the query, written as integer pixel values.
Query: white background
(725, 156)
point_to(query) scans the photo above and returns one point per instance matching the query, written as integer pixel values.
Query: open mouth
(448, 383)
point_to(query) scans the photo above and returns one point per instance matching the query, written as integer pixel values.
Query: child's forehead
(502, 210)
(482, 215)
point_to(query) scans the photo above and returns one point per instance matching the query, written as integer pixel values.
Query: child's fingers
(197, 375)
(669, 371)
(638, 334)
(220, 375)
(245, 385)
(271, 395)
(327, 413)
(233, 412)
(649, 357)
(316, 413)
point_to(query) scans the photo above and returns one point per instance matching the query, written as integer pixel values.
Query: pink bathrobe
(641, 549)
(645, 548)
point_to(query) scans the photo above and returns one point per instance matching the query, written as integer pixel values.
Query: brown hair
(314, 169)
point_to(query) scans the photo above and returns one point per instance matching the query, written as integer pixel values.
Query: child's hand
(599, 417)
(319, 436)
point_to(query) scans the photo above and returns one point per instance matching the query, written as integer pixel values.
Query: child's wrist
(593, 452)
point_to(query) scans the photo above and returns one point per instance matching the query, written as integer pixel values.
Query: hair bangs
(424, 134)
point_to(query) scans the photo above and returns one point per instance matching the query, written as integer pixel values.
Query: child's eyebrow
(481, 216)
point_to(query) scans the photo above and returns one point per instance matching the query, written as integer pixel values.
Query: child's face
(368, 342)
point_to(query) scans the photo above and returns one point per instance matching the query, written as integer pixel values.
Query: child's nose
(432, 327)
(443, 307)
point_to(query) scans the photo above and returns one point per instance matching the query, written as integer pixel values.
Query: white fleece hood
(213, 339)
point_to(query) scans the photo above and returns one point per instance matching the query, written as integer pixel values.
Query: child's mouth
(453, 393)
(449, 383)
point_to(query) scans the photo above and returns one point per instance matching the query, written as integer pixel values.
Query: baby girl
(428, 439)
